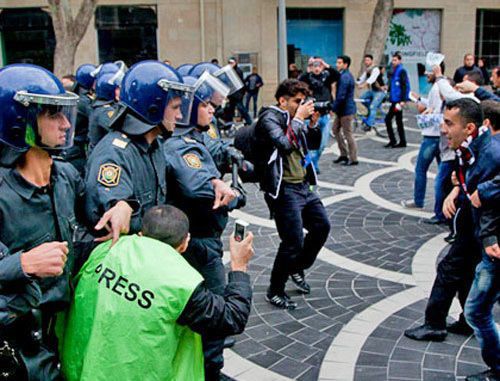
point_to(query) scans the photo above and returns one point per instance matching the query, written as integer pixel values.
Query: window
(27, 37)
(314, 32)
(126, 33)
(488, 36)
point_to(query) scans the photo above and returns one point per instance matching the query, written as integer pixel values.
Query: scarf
(466, 157)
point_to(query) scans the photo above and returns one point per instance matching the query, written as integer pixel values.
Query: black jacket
(219, 316)
(273, 143)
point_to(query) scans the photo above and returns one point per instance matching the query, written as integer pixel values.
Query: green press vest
(122, 321)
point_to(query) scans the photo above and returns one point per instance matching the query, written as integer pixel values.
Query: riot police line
(133, 154)
(80, 168)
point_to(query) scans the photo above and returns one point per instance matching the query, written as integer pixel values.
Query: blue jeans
(485, 292)
(429, 150)
(442, 187)
(372, 100)
(324, 126)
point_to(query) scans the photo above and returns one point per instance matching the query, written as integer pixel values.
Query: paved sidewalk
(369, 283)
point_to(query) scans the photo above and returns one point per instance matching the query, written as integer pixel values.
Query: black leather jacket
(273, 143)
(219, 316)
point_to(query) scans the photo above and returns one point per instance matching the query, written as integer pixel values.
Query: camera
(322, 107)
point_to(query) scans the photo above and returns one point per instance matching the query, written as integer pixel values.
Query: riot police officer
(84, 88)
(127, 164)
(195, 187)
(39, 214)
(222, 152)
(103, 108)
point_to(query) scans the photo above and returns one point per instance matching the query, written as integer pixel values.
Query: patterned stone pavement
(369, 283)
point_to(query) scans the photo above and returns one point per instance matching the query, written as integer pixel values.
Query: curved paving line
(423, 265)
(335, 150)
(265, 222)
(383, 140)
(340, 359)
(362, 186)
(241, 369)
(333, 258)
(404, 161)
(325, 184)
(423, 268)
(329, 256)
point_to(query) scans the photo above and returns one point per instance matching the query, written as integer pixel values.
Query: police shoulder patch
(192, 160)
(119, 143)
(109, 174)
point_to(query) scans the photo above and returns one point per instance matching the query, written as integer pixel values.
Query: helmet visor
(118, 76)
(179, 102)
(50, 119)
(210, 90)
(230, 78)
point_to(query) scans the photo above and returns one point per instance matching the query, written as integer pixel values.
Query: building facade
(196, 30)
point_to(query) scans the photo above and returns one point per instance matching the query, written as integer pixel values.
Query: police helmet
(84, 76)
(207, 89)
(147, 89)
(184, 69)
(28, 92)
(105, 86)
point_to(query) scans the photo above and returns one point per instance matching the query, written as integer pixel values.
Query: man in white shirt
(429, 121)
(374, 96)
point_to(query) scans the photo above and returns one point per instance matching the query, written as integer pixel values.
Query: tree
(69, 31)
(381, 21)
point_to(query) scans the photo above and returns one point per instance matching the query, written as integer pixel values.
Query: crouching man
(139, 307)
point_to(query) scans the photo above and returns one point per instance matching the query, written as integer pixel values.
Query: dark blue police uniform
(190, 169)
(30, 216)
(101, 116)
(124, 167)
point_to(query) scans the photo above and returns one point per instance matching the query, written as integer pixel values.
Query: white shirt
(371, 80)
(435, 103)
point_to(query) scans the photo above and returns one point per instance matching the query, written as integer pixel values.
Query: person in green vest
(140, 308)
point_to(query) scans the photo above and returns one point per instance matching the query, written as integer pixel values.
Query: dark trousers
(296, 208)
(205, 255)
(37, 353)
(399, 122)
(254, 97)
(455, 272)
(237, 103)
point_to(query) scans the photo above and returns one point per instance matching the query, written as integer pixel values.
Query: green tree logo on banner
(398, 35)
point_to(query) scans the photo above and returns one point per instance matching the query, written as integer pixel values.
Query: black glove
(235, 156)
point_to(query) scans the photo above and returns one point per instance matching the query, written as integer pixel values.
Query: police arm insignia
(192, 160)
(109, 175)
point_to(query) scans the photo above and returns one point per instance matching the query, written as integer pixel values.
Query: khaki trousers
(342, 129)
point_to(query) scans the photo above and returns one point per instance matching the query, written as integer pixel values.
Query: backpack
(245, 140)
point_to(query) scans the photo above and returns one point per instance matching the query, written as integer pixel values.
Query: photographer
(281, 135)
(345, 108)
(320, 78)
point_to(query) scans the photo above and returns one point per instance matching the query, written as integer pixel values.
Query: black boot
(341, 159)
(426, 333)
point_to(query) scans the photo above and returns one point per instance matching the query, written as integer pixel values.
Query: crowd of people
(113, 204)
